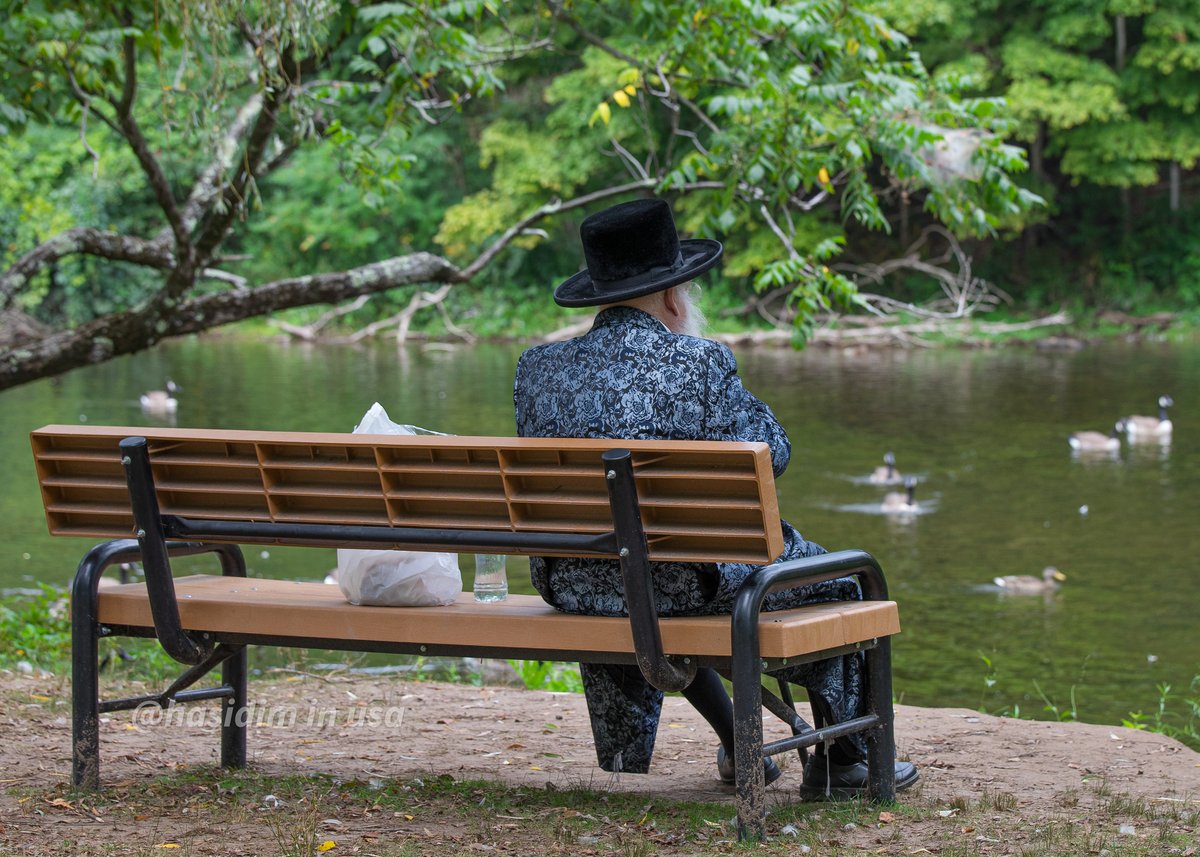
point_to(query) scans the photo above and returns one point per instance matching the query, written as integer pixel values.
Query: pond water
(984, 431)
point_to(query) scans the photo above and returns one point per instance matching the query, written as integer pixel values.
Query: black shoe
(827, 780)
(725, 771)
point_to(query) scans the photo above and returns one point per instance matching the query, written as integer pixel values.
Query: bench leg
(750, 789)
(85, 702)
(235, 714)
(881, 741)
(85, 659)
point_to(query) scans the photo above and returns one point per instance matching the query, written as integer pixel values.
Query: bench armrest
(799, 572)
(817, 569)
(177, 642)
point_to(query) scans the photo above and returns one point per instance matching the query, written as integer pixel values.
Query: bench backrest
(700, 500)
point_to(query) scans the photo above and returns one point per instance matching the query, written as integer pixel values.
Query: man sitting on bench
(644, 371)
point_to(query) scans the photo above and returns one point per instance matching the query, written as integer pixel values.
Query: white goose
(1094, 441)
(1151, 428)
(161, 401)
(887, 474)
(901, 502)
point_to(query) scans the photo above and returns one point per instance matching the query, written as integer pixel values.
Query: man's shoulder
(546, 351)
(704, 349)
(652, 342)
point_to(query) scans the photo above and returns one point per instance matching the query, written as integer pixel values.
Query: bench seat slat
(284, 608)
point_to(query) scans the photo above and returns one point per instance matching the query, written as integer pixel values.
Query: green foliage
(773, 126)
(1164, 719)
(1106, 96)
(47, 186)
(1183, 727)
(549, 675)
(36, 629)
(782, 128)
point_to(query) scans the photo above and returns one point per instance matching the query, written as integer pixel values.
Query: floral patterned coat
(630, 377)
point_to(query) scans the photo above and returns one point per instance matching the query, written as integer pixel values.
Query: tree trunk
(1121, 42)
(1037, 164)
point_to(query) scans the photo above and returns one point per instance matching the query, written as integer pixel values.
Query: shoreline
(1055, 331)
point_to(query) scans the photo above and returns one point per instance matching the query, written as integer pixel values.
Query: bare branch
(963, 292)
(784, 239)
(224, 277)
(86, 145)
(132, 132)
(205, 190)
(571, 330)
(308, 332)
(85, 100)
(552, 207)
(635, 167)
(419, 301)
(557, 206)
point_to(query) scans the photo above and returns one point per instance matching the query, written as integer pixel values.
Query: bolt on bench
(159, 493)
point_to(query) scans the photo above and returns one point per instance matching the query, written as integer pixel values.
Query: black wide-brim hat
(632, 249)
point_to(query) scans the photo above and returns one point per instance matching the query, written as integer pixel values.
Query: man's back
(631, 377)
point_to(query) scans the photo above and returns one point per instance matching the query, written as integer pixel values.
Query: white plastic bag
(396, 578)
(376, 421)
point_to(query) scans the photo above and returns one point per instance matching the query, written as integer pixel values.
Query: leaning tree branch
(90, 242)
(221, 308)
(168, 315)
(135, 330)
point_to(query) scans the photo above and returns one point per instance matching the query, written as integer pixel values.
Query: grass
(204, 810)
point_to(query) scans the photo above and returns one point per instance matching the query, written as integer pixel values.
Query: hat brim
(699, 254)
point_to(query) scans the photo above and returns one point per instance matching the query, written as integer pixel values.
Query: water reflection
(983, 431)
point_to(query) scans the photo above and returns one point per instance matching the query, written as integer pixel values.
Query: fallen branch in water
(872, 330)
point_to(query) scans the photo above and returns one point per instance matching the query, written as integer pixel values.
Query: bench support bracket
(746, 669)
(658, 669)
(85, 663)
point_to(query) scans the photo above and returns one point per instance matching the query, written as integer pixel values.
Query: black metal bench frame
(161, 537)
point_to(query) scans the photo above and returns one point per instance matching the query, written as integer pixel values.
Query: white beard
(693, 322)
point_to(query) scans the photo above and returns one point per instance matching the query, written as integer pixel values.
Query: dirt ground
(388, 728)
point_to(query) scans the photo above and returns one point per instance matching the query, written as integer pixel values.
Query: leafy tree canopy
(219, 127)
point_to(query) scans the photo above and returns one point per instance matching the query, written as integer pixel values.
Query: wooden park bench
(160, 493)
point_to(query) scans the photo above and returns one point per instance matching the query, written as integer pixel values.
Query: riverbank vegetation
(36, 632)
(169, 169)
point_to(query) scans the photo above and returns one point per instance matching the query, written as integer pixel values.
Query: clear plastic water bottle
(491, 578)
